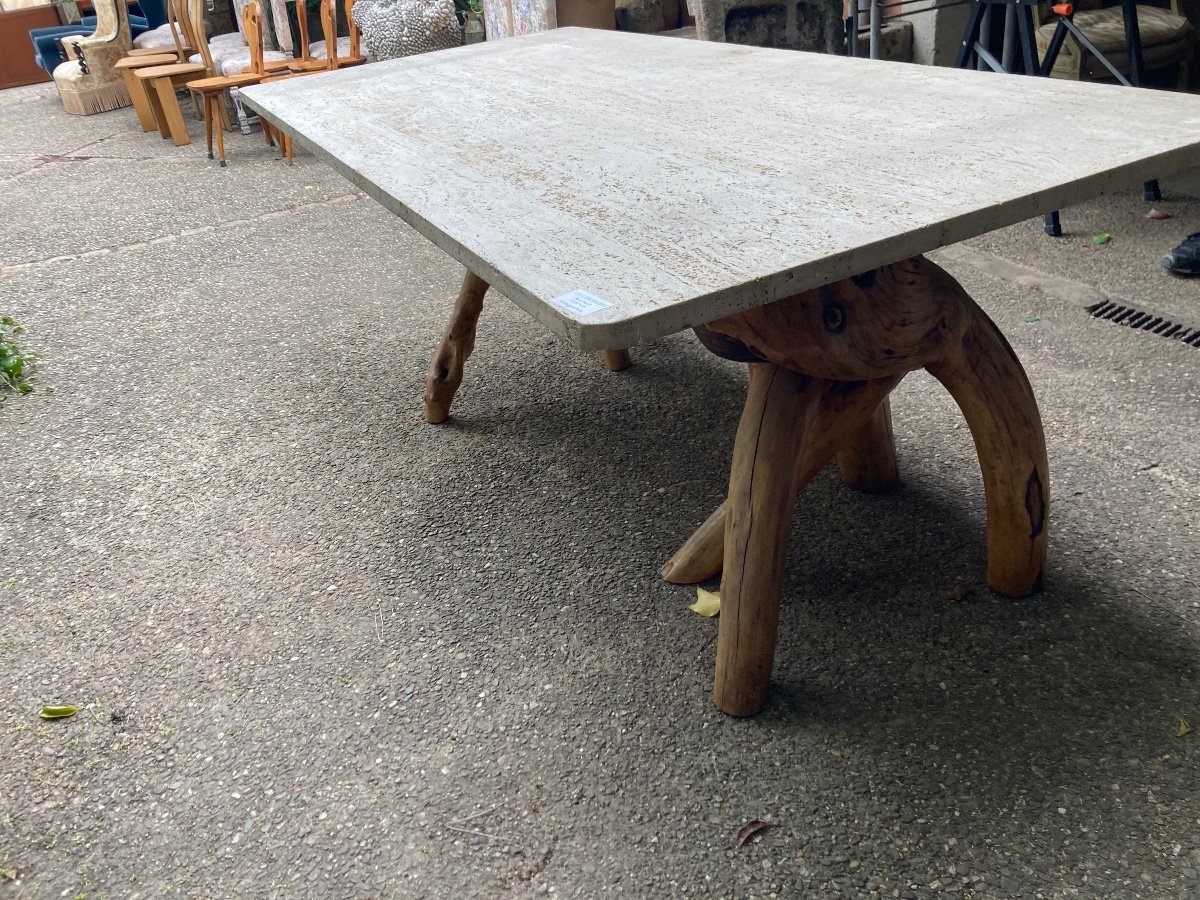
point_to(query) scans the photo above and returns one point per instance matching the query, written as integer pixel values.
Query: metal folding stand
(977, 44)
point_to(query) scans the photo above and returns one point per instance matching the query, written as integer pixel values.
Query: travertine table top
(621, 187)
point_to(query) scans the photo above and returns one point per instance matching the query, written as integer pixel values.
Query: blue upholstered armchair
(48, 51)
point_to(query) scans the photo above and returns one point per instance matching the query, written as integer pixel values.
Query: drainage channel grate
(1147, 320)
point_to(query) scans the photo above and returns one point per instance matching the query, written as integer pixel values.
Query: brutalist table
(622, 187)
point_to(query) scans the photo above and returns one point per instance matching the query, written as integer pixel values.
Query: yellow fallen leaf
(708, 603)
(1184, 728)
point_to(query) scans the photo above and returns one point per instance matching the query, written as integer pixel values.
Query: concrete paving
(324, 649)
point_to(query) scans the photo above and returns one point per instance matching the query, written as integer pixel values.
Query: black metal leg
(1133, 41)
(985, 35)
(1028, 39)
(1151, 192)
(1056, 42)
(967, 49)
(1009, 48)
(1053, 226)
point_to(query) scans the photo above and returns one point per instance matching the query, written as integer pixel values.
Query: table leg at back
(445, 373)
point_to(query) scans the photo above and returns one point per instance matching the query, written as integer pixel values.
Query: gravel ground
(324, 649)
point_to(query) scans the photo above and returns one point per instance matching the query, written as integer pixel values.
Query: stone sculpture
(392, 28)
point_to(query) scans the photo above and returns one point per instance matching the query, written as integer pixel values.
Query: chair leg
(208, 124)
(195, 102)
(287, 148)
(224, 110)
(156, 109)
(216, 99)
(141, 104)
(169, 103)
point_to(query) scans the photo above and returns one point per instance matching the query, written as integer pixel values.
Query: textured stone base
(814, 25)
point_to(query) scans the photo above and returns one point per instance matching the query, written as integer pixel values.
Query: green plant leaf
(58, 712)
(1099, 239)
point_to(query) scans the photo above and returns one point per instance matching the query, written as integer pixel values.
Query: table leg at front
(615, 360)
(446, 368)
(791, 426)
(762, 494)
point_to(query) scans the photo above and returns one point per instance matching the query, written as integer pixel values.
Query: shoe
(1184, 259)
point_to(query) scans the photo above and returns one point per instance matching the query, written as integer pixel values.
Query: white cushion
(155, 38)
(317, 49)
(233, 39)
(239, 62)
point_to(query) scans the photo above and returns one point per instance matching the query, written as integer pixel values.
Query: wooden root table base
(822, 364)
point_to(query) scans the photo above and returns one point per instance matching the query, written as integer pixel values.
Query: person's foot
(1184, 259)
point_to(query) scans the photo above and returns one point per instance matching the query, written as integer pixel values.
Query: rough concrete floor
(324, 649)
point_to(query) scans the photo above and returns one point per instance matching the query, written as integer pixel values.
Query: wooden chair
(342, 55)
(212, 89)
(158, 84)
(182, 41)
(1168, 41)
(147, 58)
(313, 65)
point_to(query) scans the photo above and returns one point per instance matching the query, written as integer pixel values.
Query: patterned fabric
(392, 28)
(276, 11)
(155, 38)
(506, 18)
(236, 60)
(239, 63)
(233, 39)
(317, 49)
(1164, 37)
(88, 83)
(268, 32)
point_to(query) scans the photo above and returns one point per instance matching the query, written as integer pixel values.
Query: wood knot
(833, 317)
(864, 279)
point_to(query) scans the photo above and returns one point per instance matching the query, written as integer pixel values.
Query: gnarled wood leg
(762, 495)
(791, 425)
(446, 368)
(988, 384)
(822, 364)
(702, 555)
(615, 360)
(868, 461)
(845, 411)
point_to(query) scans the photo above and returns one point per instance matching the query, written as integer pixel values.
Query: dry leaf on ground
(1183, 729)
(708, 603)
(960, 591)
(749, 830)
(1157, 214)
